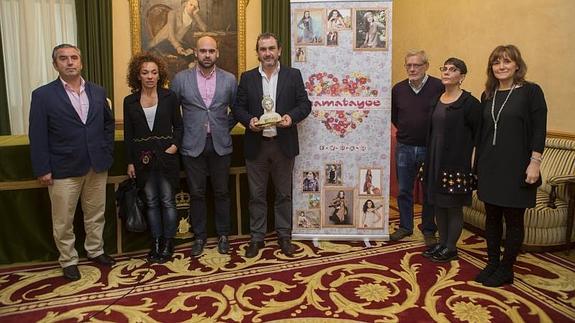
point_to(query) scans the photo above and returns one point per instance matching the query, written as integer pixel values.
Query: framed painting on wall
(170, 28)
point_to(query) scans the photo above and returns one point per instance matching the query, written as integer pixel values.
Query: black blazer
(291, 99)
(140, 141)
(60, 143)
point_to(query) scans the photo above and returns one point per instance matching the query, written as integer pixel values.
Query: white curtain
(30, 30)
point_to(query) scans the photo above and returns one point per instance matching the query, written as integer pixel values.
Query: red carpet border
(343, 281)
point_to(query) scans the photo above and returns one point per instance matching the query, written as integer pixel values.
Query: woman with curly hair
(152, 135)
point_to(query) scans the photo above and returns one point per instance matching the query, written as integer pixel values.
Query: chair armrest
(555, 181)
(560, 179)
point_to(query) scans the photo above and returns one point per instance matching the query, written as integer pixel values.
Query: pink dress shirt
(79, 101)
(207, 88)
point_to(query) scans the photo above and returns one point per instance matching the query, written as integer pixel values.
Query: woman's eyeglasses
(451, 69)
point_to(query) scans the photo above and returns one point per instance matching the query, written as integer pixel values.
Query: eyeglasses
(408, 66)
(451, 69)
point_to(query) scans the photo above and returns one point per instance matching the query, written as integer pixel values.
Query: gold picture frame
(136, 29)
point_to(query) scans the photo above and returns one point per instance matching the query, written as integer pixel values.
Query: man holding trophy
(271, 101)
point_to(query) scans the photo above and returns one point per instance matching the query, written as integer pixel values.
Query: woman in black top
(455, 123)
(152, 135)
(509, 157)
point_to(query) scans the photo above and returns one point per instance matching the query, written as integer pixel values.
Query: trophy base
(267, 123)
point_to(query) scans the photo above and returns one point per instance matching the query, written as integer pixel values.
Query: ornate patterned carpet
(331, 282)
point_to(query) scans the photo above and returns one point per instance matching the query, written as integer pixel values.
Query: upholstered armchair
(549, 225)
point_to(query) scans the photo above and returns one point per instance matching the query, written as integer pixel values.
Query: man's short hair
(267, 35)
(55, 50)
(419, 52)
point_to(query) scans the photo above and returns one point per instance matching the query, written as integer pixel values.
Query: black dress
(434, 150)
(521, 129)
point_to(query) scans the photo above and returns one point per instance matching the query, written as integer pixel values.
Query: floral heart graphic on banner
(341, 122)
(354, 85)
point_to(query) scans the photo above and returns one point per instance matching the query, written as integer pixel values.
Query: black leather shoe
(444, 255)
(104, 259)
(430, 252)
(254, 248)
(286, 247)
(486, 273)
(223, 245)
(198, 247)
(71, 272)
(500, 277)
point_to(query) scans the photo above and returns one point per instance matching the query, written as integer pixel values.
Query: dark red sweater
(411, 112)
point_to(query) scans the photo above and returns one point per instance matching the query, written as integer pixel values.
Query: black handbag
(131, 206)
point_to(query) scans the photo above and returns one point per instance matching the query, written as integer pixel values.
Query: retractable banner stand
(341, 177)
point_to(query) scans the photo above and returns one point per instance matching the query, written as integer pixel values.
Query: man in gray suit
(206, 92)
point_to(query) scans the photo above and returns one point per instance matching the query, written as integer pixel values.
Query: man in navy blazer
(71, 143)
(206, 93)
(271, 150)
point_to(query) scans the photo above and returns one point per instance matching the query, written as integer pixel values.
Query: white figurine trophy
(269, 118)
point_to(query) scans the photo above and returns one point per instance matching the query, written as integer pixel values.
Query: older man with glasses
(411, 103)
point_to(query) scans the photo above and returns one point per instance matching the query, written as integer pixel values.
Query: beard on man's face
(207, 63)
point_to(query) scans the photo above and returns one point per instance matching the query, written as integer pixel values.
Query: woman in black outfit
(152, 135)
(455, 123)
(510, 152)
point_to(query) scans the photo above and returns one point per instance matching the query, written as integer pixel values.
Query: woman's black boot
(486, 272)
(154, 254)
(500, 277)
(167, 250)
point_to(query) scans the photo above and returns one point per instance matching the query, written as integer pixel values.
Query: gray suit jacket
(196, 115)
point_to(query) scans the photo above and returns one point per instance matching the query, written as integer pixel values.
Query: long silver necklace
(496, 118)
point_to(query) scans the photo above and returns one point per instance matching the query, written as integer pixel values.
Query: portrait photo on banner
(310, 26)
(338, 19)
(370, 181)
(310, 181)
(333, 174)
(300, 54)
(307, 219)
(370, 29)
(338, 207)
(370, 210)
(170, 28)
(313, 201)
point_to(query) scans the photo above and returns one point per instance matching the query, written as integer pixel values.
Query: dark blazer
(140, 141)
(291, 99)
(60, 143)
